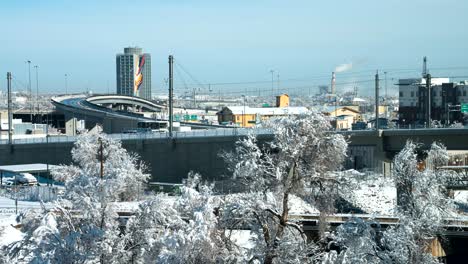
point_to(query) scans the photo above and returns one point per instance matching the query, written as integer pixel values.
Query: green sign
(464, 108)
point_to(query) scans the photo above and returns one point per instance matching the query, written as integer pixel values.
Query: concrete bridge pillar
(70, 126)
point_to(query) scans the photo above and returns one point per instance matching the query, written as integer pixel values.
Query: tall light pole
(429, 99)
(10, 114)
(272, 81)
(29, 90)
(386, 104)
(66, 83)
(377, 101)
(278, 82)
(37, 88)
(171, 94)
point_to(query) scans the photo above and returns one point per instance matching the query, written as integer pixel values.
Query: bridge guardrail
(154, 135)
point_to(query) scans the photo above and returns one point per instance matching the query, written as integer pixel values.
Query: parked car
(8, 182)
(26, 179)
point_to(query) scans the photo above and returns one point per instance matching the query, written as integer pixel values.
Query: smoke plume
(344, 67)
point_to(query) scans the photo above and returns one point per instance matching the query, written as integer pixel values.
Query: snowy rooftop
(290, 110)
(332, 108)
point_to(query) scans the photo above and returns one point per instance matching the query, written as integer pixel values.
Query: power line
(190, 75)
(324, 77)
(255, 90)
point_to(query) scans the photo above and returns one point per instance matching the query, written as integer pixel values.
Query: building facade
(133, 71)
(446, 99)
(245, 116)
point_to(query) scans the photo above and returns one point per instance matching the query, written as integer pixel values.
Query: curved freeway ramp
(126, 101)
(81, 107)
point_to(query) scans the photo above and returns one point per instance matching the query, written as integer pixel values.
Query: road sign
(464, 108)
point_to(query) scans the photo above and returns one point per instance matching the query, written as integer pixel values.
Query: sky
(235, 42)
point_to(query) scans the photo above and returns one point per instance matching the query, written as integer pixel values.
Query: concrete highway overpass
(170, 159)
(109, 111)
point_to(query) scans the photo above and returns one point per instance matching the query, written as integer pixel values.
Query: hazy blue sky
(230, 41)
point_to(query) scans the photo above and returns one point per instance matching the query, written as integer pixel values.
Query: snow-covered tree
(423, 204)
(182, 229)
(83, 226)
(299, 161)
(421, 190)
(356, 241)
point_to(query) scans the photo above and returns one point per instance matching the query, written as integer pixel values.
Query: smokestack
(333, 84)
(424, 71)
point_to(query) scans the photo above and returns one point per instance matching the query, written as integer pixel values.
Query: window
(464, 92)
(401, 94)
(412, 94)
(417, 94)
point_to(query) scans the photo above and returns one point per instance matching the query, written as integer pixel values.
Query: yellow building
(282, 100)
(343, 111)
(344, 122)
(249, 116)
(245, 116)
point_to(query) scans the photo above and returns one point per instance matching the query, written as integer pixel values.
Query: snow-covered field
(8, 233)
(375, 197)
(8, 206)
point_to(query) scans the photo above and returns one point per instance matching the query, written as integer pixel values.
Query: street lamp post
(37, 88)
(272, 81)
(66, 83)
(29, 90)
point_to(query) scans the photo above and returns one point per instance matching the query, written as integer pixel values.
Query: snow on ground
(376, 196)
(8, 234)
(298, 206)
(8, 207)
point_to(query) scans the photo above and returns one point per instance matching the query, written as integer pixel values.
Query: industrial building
(133, 71)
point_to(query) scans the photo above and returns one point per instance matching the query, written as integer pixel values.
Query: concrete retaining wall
(169, 160)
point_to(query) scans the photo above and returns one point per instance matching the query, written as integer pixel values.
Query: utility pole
(386, 94)
(194, 98)
(272, 81)
(377, 101)
(429, 101)
(171, 94)
(278, 83)
(10, 117)
(30, 91)
(37, 88)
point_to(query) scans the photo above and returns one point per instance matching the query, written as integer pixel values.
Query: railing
(222, 132)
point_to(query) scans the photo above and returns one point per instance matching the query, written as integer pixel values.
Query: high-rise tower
(134, 73)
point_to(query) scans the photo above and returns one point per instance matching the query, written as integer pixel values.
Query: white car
(8, 182)
(26, 179)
